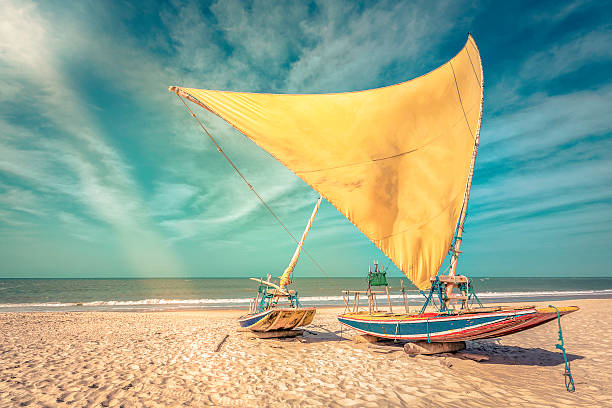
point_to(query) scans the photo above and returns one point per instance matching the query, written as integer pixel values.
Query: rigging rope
(569, 380)
(397, 327)
(473, 69)
(463, 215)
(461, 102)
(250, 185)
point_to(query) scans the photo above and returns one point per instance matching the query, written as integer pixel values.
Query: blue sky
(102, 172)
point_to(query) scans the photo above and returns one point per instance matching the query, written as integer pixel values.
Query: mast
(456, 245)
(285, 278)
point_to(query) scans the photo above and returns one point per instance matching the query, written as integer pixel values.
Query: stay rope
(397, 327)
(251, 186)
(569, 380)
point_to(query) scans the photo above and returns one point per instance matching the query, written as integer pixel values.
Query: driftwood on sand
(220, 344)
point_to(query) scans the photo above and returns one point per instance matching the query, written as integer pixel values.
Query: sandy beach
(168, 359)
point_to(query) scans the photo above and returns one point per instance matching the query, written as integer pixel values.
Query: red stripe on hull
(513, 321)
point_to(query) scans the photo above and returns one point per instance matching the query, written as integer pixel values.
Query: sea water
(212, 293)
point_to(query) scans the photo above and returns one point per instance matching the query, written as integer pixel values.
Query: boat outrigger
(398, 162)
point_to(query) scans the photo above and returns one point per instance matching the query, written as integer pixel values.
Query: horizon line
(303, 277)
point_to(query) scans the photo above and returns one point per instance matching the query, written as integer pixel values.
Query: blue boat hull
(437, 327)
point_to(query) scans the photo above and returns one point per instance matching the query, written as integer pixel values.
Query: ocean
(18, 295)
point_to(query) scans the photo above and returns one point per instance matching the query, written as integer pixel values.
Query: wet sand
(114, 359)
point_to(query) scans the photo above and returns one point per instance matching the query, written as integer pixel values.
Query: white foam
(215, 303)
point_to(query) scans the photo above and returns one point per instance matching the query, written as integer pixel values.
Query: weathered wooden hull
(436, 327)
(278, 319)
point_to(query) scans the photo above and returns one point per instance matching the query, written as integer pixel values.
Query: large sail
(393, 160)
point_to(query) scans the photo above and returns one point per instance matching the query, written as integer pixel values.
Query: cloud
(560, 59)
(80, 228)
(547, 122)
(546, 167)
(522, 194)
(229, 204)
(170, 199)
(20, 200)
(352, 47)
(32, 56)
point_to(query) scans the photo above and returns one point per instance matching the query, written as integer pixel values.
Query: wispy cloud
(32, 55)
(355, 48)
(547, 122)
(545, 172)
(583, 49)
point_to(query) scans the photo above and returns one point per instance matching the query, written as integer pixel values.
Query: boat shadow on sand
(495, 352)
(319, 334)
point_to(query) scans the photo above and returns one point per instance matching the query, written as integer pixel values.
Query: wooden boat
(450, 327)
(446, 325)
(264, 313)
(278, 319)
(398, 162)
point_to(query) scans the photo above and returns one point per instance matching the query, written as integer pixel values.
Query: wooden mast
(456, 246)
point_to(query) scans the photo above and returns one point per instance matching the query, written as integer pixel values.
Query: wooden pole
(405, 299)
(218, 348)
(389, 299)
(256, 302)
(457, 244)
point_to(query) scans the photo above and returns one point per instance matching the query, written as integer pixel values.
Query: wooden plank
(363, 291)
(452, 279)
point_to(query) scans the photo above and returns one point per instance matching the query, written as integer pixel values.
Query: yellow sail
(393, 160)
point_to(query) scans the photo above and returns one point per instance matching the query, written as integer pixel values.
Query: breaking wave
(168, 304)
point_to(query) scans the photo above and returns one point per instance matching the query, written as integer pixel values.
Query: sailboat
(265, 314)
(398, 162)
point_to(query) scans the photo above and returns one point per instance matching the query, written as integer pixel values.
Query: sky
(104, 174)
